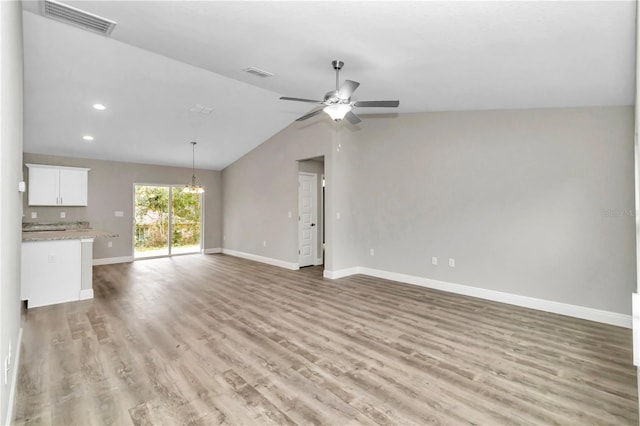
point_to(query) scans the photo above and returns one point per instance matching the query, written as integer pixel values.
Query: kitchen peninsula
(57, 262)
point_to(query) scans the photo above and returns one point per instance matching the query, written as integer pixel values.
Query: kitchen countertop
(61, 231)
(75, 234)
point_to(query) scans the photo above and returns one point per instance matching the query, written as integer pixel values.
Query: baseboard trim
(575, 311)
(275, 262)
(14, 379)
(112, 260)
(212, 250)
(341, 273)
(86, 294)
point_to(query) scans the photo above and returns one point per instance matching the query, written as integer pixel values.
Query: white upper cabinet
(57, 186)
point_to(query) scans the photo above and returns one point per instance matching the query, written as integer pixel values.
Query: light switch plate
(63, 215)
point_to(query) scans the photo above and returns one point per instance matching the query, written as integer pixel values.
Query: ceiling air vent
(258, 72)
(79, 18)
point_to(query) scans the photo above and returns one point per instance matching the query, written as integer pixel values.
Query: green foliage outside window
(152, 218)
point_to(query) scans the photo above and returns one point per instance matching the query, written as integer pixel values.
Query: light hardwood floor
(213, 339)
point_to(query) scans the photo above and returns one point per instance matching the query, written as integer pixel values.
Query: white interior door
(307, 218)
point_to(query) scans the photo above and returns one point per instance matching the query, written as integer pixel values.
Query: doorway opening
(168, 221)
(311, 227)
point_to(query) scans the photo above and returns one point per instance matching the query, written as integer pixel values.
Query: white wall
(11, 60)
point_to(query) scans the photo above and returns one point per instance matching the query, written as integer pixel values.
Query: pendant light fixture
(192, 188)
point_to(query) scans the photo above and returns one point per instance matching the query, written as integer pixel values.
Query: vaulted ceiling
(164, 59)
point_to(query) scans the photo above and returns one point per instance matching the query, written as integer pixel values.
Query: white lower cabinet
(51, 272)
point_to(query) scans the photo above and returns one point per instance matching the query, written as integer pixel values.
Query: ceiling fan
(338, 104)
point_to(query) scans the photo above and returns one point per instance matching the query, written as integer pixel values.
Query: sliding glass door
(186, 212)
(167, 221)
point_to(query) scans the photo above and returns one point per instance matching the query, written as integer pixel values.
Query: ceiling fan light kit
(337, 111)
(338, 104)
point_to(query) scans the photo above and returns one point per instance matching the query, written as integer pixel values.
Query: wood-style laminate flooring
(213, 339)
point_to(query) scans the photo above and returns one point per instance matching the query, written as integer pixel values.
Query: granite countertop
(65, 235)
(61, 231)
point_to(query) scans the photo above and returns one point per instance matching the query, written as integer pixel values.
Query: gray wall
(111, 189)
(536, 203)
(10, 174)
(261, 188)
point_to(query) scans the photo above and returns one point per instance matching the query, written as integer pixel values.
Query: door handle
(313, 224)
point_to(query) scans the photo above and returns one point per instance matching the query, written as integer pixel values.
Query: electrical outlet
(289, 214)
(434, 260)
(372, 252)
(109, 244)
(118, 213)
(337, 215)
(63, 215)
(52, 258)
(264, 244)
(34, 215)
(452, 263)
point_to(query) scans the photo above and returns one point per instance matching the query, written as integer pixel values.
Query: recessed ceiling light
(87, 138)
(99, 107)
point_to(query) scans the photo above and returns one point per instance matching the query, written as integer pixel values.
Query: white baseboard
(341, 273)
(262, 259)
(112, 260)
(14, 379)
(575, 311)
(212, 250)
(86, 294)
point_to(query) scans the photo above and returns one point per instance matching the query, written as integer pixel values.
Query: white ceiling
(163, 58)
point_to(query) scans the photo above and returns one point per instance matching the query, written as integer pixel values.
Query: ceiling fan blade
(387, 104)
(353, 119)
(286, 98)
(347, 89)
(310, 114)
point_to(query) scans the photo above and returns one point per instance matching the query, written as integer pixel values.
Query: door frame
(321, 207)
(170, 230)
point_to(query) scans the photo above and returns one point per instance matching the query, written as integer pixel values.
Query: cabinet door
(43, 186)
(51, 272)
(73, 187)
